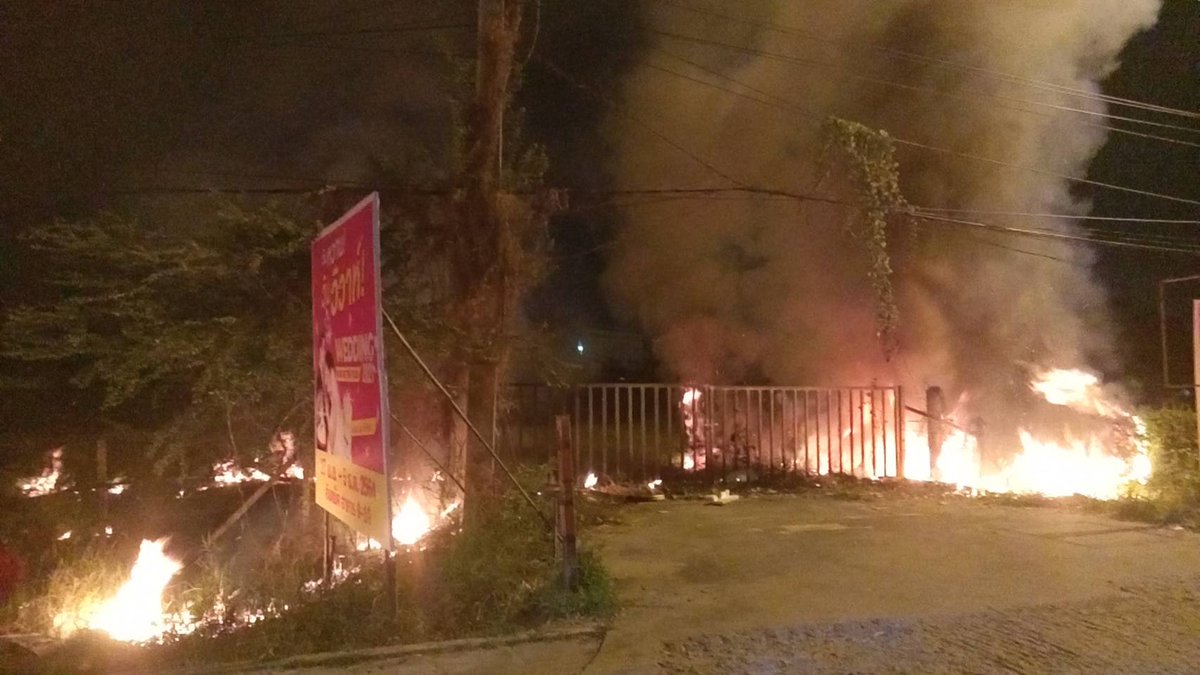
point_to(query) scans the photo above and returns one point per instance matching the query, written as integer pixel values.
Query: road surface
(812, 584)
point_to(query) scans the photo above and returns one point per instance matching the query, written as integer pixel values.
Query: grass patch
(496, 574)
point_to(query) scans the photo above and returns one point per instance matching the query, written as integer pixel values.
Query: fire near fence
(635, 431)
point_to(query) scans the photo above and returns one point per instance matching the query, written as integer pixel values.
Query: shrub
(1171, 435)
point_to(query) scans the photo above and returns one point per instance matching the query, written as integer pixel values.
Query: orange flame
(135, 613)
(411, 523)
(229, 473)
(1083, 466)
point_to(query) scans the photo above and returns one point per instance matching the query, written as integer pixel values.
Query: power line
(972, 236)
(701, 192)
(637, 120)
(947, 63)
(1047, 172)
(791, 106)
(655, 195)
(366, 49)
(940, 92)
(682, 194)
(1067, 216)
(787, 58)
(751, 192)
(375, 30)
(1056, 235)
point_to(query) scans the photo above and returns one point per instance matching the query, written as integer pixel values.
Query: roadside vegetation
(1172, 495)
(493, 574)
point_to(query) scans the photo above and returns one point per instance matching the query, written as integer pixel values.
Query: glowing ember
(590, 481)
(654, 484)
(295, 471)
(690, 396)
(135, 613)
(108, 530)
(229, 473)
(38, 485)
(117, 489)
(411, 523)
(688, 462)
(64, 536)
(47, 482)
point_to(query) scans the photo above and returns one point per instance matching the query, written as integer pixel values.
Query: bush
(1175, 483)
(500, 572)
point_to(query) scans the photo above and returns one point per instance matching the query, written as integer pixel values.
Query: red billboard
(350, 416)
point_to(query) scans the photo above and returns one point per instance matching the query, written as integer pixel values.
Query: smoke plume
(738, 287)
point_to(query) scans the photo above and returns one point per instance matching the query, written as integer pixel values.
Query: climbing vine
(870, 158)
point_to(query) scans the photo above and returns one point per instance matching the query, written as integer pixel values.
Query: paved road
(795, 584)
(791, 584)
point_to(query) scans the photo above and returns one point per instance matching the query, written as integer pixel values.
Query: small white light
(579, 347)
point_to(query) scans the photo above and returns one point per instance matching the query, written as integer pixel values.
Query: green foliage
(870, 155)
(596, 596)
(195, 334)
(1175, 484)
(351, 615)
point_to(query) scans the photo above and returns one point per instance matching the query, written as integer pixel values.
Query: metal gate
(638, 431)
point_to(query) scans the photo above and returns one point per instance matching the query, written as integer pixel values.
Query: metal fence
(638, 431)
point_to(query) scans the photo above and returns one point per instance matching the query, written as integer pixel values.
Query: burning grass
(251, 597)
(495, 575)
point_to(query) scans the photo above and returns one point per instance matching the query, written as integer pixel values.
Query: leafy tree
(190, 336)
(1171, 438)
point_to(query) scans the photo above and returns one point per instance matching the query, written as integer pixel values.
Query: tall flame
(411, 523)
(1098, 463)
(135, 613)
(1076, 465)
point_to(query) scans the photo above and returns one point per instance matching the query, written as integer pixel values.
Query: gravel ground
(1146, 629)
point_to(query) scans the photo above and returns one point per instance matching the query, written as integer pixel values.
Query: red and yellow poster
(349, 381)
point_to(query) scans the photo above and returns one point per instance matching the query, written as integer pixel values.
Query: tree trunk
(484, 247)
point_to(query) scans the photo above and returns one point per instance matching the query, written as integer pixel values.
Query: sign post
(350, 399)
(1196, 362)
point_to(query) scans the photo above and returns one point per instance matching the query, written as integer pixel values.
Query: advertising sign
(350, 420)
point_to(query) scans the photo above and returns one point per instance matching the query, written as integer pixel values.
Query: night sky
(117, 105)
(1161, 66)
